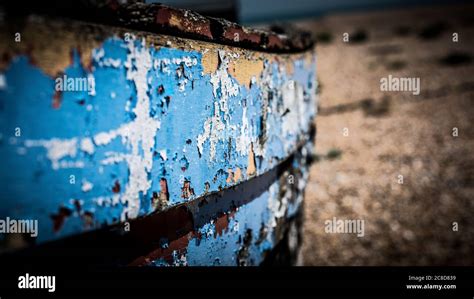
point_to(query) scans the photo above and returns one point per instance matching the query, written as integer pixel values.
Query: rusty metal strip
(112, 246)
(162, 19)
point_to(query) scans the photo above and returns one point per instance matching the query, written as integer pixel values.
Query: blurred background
(428, 219)
(251, 12)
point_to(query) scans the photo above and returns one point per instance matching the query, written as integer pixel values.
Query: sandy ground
(357, 177)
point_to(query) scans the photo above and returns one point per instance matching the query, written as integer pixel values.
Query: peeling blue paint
(86, 137)
(212, 248)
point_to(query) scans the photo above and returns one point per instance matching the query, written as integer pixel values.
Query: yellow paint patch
(50, 47)
(230, 176)
(233, 175)
(210, 61)
(243, 69)
(251, 168)
(237, 175)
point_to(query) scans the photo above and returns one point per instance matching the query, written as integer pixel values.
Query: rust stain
(57, 98)
(274, 41)
(60, 218)
(179, 245)
(116, 187)
(238, 34)
(161, 200)
(161, 89)
(163, 16)
(187, 191)
(164, 189)
(193, 24)
(221, 224)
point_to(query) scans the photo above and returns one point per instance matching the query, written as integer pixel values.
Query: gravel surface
(357, 177)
